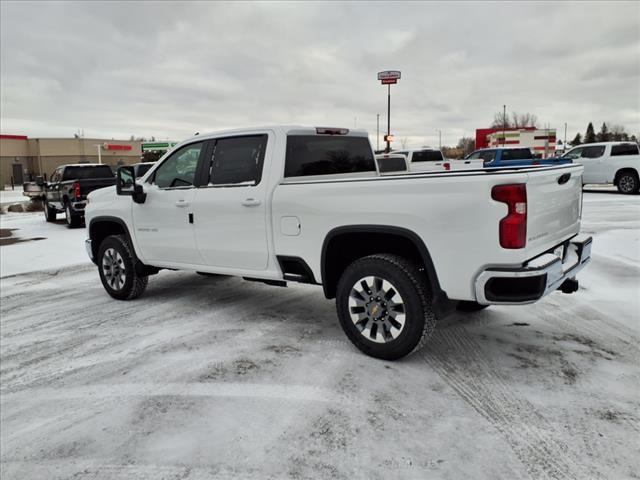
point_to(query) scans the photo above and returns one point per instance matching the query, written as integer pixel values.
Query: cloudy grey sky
(171, 69)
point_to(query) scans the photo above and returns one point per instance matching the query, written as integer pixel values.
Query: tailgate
(554, 204)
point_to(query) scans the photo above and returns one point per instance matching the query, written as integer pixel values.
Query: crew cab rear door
(230, 205)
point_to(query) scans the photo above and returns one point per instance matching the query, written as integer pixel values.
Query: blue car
(512, 157)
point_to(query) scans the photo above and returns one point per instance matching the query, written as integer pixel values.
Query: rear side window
(238, 160)
(516, 154)
(427, 156)
(593, 152)
(327, 155)
(625, 149)
(84, 173)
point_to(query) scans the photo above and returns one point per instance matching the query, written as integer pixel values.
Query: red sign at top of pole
(389, 77)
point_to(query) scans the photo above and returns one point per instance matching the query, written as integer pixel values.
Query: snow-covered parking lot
(222, 378)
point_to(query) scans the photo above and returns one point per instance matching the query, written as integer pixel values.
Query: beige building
(24, 158)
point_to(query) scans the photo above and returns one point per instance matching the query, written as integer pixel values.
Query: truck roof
(284, 129)
(597, 144)
(85, 165)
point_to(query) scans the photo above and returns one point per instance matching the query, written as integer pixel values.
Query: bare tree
(524, 120)
(617, 133)
(517, 120)
(467, 145)
(501, 120)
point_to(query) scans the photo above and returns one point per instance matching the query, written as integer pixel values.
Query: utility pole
(504, 124)
(377, 132)
(99, 155)
(564, 145)
(439, 139)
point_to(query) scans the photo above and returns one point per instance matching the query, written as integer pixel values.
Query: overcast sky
(171, 69)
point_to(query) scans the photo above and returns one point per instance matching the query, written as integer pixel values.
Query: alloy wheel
(113, 269)
(377, 309)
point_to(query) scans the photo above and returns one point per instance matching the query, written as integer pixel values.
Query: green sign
(158, 146)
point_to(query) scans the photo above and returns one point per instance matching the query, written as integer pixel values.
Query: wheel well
(345, 245)
(98, 231)
(624, 170)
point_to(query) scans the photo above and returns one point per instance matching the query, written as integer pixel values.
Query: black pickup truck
(68, 188)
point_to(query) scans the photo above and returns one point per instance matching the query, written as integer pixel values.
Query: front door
(162, 223)
(230, 211)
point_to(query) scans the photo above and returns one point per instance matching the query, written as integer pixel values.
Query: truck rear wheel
(627, 182)
(50, 213)
(73, 219)
(384, 306)
(116, 264)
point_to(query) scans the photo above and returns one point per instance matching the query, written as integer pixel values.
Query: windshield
(84, 173)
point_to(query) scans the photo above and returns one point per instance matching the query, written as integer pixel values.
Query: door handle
(182, 203)
(251, 202)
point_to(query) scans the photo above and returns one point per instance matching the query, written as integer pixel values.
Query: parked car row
(616, 163)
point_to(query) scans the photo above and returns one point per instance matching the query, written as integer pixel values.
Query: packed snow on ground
(8, 196)
(221, 378)
(41, 245)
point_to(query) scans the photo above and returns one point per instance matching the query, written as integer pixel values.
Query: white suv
(609, 162)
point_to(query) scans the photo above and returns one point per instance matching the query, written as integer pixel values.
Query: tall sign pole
(388, 78)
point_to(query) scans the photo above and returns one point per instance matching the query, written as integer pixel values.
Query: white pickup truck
(609, 162)
(304, 204)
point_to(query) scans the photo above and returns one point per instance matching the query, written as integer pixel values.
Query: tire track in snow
(460, 362)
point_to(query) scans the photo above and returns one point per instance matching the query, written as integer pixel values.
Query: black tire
(465, 306)
(73, 219)
(133, 284)
(627, 183)
(414, 292)
(50, 213)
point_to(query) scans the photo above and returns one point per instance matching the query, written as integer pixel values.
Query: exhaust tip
(570, 285)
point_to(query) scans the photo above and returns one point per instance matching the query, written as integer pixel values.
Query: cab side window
(593, 152)
(237, 161)
(55, 176)
(179, 170)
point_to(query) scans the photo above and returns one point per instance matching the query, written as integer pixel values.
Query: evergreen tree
(603, 134)
(590, 136)
(577, 140)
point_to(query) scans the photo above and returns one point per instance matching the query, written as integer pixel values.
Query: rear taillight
(76, 190)
(513, 227)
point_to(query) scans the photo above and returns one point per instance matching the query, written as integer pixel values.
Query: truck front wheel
(384, 306)
(49, 212)
(116, 264)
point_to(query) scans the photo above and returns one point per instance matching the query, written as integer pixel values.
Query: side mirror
(126, 184)
(39, 181)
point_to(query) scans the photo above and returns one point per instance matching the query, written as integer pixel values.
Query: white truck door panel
(230, 212)
(230, 226)
(162, 226)
(162, 222)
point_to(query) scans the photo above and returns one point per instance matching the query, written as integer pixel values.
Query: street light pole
(99, 155)
(377, 132)
(439, 139)
(564, 146)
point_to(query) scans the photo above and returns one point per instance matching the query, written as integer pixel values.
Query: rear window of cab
(309, 155)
